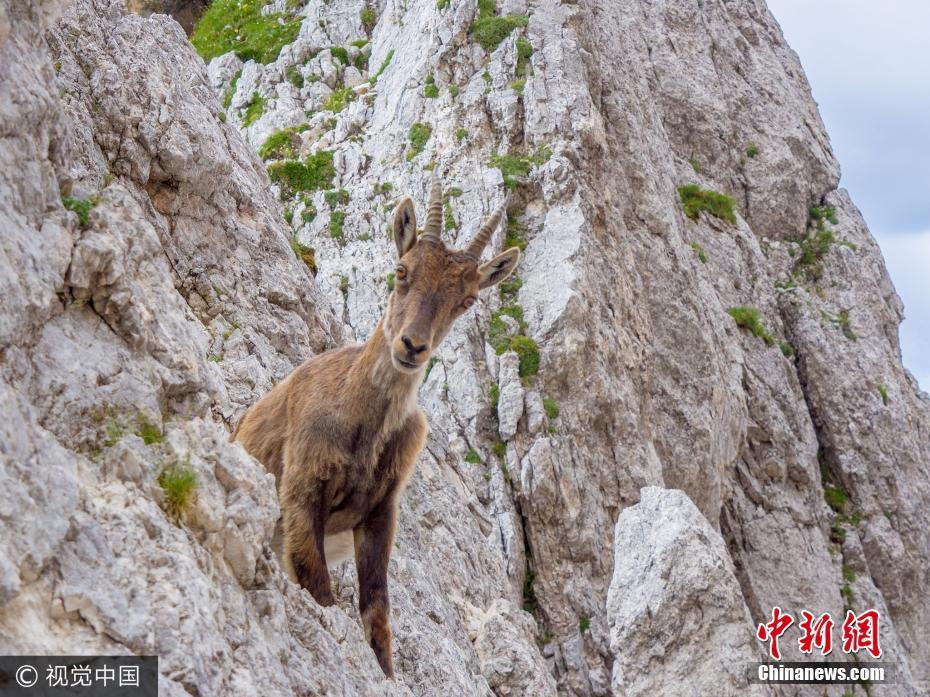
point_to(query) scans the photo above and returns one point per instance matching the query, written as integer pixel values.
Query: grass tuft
(514, 168)
(473, 457)
(280, 145)
(81, 206)
(694, 199)
(552, 409)
(254, 109)
(751, 319)
(418, 135)
(836, 498)
(306, 254)
(179, 484)
(240, 26)
(312, 174)
(490, 28)
(369, 17)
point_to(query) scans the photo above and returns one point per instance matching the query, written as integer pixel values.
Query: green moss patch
(490, 28)
(280, 145)
(254, 109)
(339, 99)
(694, 199)
(312, 174)
(306, 254)
(514, 167)
(418, 135)
(179, 486)
(81, 206)
(750, 318)
(239, 26)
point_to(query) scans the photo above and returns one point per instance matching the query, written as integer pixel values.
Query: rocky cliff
(688, 408)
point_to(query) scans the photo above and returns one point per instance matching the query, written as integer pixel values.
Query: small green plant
(508, 289)
(431, 90)
(312, 174)
(454, 91)
(115, 431)
(306, 254)
(694, 199)
(524, 52)
(147, 431)
(448, 219)
(528, 351)
(344, 285)
(369, 17)
(848, 574)
(473, 457)
(389, 279)
(752, 150)
(584, 623)
(695, 165)
(280, 145)
(384, 64)
(460, 134)
(336, 197)
(336, 221)
(294, 76)
(518, 85)
(455, 191)
(847, 593)
(845, 326)
(340, 54)
(360, 62)
(750, 318)
(530, 603)
(179, 486)
(514, 168)
(883, 392)
(231, 90)
(254, 109)
(384, 188)
(240, 26)
(81, 206)
(442, 4)
(499, 449)
(418, 135)
(494, 394)
(787, 348)
(490, 28)
(552, 409)
(339, 99)
(836, 497)
(699, 250)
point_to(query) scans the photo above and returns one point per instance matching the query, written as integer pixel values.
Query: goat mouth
(406, 365)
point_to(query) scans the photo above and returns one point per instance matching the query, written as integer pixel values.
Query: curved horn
(477, 245)
(433, 226)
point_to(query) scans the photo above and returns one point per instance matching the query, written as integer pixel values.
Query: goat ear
(490, 273)
(405, 226)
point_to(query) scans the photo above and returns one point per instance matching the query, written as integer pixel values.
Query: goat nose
(413, 348)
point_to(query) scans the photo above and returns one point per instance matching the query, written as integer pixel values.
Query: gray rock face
(530, 559)
(677, 619)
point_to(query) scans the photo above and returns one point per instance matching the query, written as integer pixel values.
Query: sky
(869, 68)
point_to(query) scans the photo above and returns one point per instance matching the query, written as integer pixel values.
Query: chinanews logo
(859, 638)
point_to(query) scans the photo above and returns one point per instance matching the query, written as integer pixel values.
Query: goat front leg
(373, 540)
(305, 506)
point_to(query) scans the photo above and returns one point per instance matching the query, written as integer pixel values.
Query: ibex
(342, 432)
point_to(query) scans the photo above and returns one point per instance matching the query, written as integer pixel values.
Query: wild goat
(341, 433)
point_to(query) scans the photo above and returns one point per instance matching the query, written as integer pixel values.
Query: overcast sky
(869, 67)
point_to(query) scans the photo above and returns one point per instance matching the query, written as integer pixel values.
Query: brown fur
(342, 433)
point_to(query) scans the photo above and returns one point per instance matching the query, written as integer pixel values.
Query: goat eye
(468, 302)
(400, 273)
